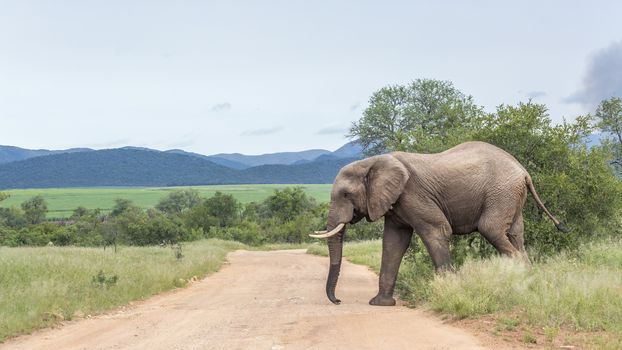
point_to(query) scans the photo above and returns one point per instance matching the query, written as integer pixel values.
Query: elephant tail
(560, 226)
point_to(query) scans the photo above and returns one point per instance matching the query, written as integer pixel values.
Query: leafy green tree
(12, 217)
(34, 209)
(248, 232)
(399, 116)
(178, 201)
(121, 205)
(78, 213)
(151, 228)
(199, 218)
(220, 210)
(609, 119)
(224, 207)
(287, 204)
(86, 227)
(251, 211)
(575, 182)
(3, 196)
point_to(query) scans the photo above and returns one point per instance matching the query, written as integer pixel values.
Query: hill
(118, 167)
(218, 160)
(273, 158)
(352, 149)
(140, 167)
(230, 160)
(11, 154)
(317, 172)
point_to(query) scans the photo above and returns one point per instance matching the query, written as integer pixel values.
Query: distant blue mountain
(11, 153)
(352, 149)
(273, 158)
(231, 160)
(138, 166)
(222, 161)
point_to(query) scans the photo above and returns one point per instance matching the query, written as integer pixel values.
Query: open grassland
(42, 286)
(569, 299)
(62, 201)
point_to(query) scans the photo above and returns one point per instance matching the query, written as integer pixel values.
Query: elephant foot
(382, 300)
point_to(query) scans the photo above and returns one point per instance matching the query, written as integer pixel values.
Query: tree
(4, 196)
(178, 201)
(12, 217)
(402, 116)
(120, 206)
(224, 207)
(609, 119)
(78, 213)
(287, 204)
(34, 210)
(152, 227)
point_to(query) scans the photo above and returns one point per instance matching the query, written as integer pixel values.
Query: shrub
(34, 210)
(179, 201)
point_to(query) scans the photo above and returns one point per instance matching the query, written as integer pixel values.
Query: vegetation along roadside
(41, 286)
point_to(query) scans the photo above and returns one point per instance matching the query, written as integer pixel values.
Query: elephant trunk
(335, 250)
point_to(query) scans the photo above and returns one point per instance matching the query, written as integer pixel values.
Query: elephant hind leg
(517, 233)
(496, 232)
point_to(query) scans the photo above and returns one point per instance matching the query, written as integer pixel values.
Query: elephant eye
(346, 194)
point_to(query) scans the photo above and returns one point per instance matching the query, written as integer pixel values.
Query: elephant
(474, 186)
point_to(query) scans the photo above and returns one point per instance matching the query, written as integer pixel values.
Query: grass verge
(569, 299)
(45, 285)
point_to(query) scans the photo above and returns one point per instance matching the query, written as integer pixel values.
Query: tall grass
(575, 291)
(41, 286)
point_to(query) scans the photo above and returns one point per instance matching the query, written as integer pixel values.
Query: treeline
(287, 216)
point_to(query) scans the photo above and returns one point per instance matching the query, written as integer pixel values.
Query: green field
(62, 201)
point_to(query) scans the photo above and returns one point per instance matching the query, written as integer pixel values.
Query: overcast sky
(266, 76)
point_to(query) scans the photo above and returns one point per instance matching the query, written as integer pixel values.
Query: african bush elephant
(474, 186)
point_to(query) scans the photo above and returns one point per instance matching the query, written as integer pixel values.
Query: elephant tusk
(324, 234)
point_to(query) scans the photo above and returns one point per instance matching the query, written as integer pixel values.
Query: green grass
(549, 301)
(42, 286)
(62, 201)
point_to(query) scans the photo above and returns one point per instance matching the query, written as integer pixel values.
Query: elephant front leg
(396, 241)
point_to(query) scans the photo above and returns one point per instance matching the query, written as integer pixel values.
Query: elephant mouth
(357, 216)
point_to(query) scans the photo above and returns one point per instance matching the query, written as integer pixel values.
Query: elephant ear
(385, 182)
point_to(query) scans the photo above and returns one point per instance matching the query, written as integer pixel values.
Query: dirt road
(261, 300)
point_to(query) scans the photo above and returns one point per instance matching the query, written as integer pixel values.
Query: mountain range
(136, 166)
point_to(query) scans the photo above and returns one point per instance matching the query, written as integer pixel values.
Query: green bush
(179, 201)
(34, 210)
(152, 227)
(364, 230)
(247, 232)
(12, 217)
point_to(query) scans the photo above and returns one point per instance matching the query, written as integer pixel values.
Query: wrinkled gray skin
(474, 186)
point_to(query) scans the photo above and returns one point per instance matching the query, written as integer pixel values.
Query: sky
(266, 76)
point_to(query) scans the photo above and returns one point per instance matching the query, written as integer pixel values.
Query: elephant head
(365, 188)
